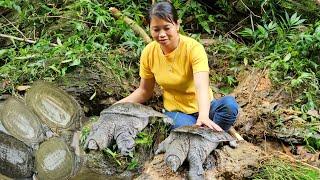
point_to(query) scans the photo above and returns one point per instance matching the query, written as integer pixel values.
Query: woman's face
(164, 32)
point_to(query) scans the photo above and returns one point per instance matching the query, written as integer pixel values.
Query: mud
(258, 100)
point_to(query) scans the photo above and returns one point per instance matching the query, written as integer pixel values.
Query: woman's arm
(201, 80)
(142, 94)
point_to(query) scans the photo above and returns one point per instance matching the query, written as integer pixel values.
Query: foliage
(282, 170)
(82, 38)
(286, 46)
(85, 131)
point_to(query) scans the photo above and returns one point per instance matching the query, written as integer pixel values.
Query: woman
(179, 65)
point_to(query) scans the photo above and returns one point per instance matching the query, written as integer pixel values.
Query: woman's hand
(208, 122)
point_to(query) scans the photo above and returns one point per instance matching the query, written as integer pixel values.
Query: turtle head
(92, 145)
(173, 162)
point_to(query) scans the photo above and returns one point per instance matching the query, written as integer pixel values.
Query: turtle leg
(126, 131)
(124, 136)
(100, 135)
(199, 150)
(177, 151)
(164, 144)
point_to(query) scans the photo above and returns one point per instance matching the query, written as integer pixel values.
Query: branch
(235, 134)
(21, 39)
(251, 12)
(134, 26)
(14, 27)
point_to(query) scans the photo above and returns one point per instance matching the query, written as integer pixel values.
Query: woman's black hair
(163, 10)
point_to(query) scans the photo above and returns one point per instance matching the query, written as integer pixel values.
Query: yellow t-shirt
(174, 72)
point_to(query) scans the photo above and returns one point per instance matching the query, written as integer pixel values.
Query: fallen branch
(134, 26)
(21, 39)
(235, 134)
(14, 27)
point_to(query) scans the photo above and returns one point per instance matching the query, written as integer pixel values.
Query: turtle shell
(55, 108)
(21, 122)
(136, 110)
(207, 133)
(16, 159)
(54, 160)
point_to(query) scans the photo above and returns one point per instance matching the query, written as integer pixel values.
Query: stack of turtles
(31, 138)
(39, 134)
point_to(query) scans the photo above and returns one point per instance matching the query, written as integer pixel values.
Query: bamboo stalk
(234, 133)
(21, 39)
(135, 27)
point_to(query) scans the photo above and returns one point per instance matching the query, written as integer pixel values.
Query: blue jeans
(223, 112)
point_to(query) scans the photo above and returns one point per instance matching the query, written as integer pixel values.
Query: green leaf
(3, 52)
(75, 62)
(287, 57)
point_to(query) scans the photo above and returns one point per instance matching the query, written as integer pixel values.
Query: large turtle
(121, 122)
(19, 121)
(16, 158)
(55, 160)
(55, 107)
(194, 144)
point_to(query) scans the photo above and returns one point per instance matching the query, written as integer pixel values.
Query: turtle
(193, 143)
(55, 160)
(122, 122)
(16, 158)
(20, 122)
(55, 108)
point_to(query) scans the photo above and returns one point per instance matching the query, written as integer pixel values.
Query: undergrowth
(277, 169)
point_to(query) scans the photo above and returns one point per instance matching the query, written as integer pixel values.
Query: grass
(277, 169)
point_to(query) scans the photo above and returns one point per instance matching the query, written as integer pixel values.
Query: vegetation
(51, 39)
(283, 170)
